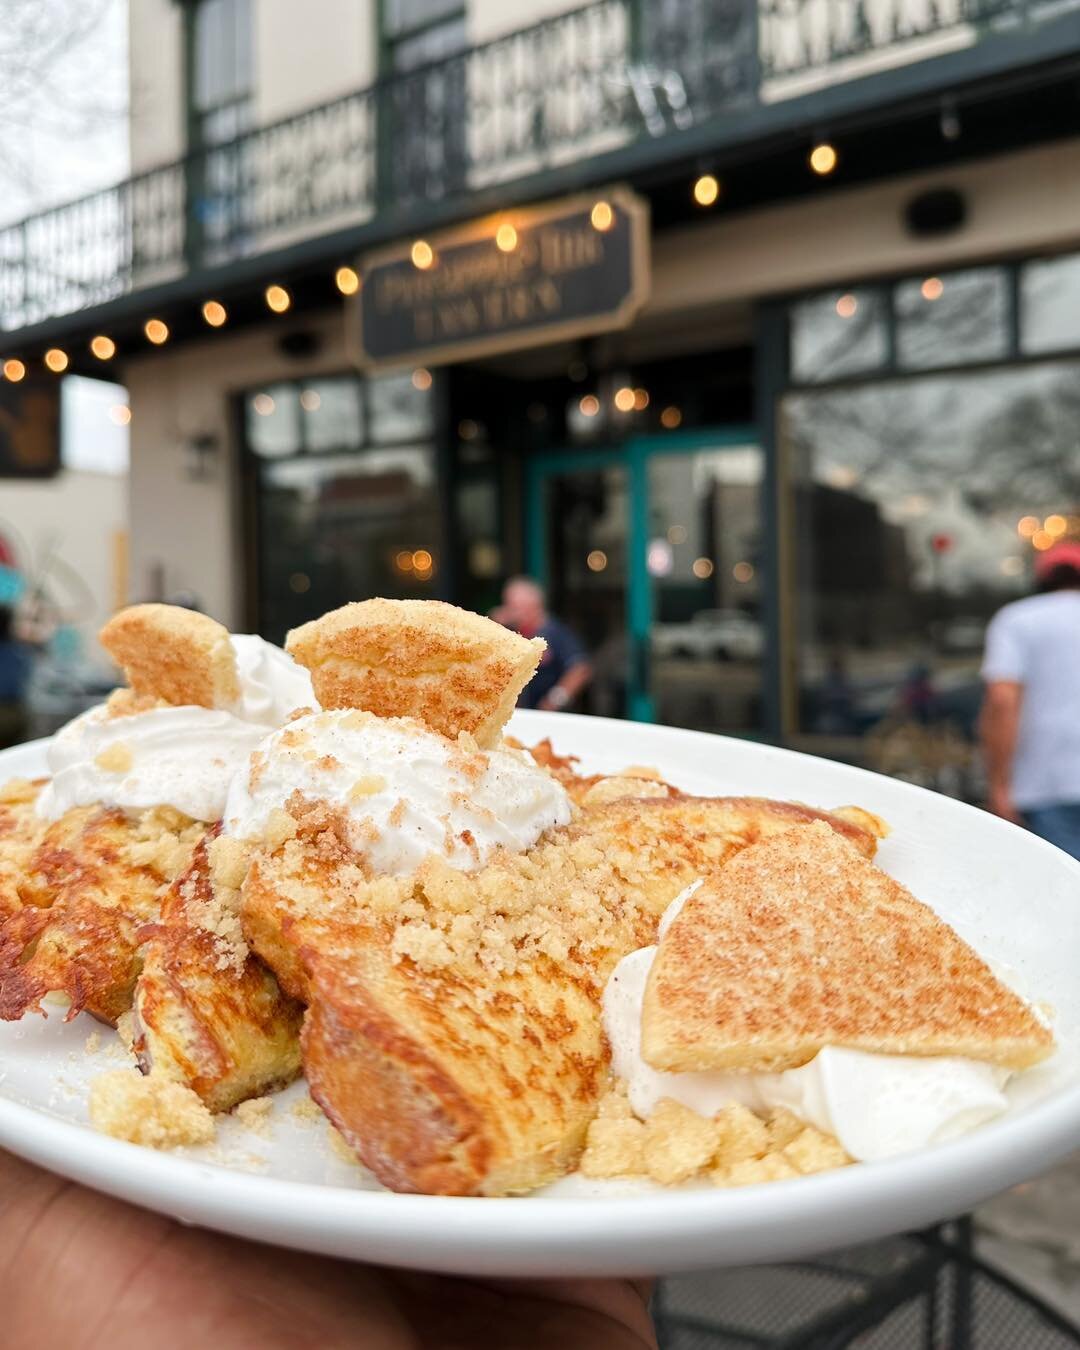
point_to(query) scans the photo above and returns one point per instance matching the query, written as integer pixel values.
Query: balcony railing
(586, 82)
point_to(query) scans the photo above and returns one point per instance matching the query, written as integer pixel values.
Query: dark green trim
(770, 380)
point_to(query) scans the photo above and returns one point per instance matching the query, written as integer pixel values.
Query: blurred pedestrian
(565, 668)
(1030, 719)
(14, 676)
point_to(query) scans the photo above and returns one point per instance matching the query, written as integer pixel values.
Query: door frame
(633, 455)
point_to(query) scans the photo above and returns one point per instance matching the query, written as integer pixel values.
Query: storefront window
(1050, 304)
(838, 334)
(919, 505)
(345, 498)
(953, 319)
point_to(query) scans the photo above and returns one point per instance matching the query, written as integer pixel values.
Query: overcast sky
(69, 135)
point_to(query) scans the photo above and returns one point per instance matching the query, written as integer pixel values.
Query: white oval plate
(1014, 897)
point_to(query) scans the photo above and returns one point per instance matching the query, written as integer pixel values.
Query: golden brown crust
(453, 1033)
(173, 654)
(94, 879)
(800, 943)
(209, 1014)
(451, 669)
(21, 830)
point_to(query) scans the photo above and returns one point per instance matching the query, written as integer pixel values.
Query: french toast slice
(801, 943)
(207, 1012)
(453, 1029)
(451, 669)
(173, 654)
(21, 830)
(94, 878)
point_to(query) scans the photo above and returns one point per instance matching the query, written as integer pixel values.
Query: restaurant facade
(752, 332)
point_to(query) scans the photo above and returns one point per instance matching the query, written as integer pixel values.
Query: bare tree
(58, 82)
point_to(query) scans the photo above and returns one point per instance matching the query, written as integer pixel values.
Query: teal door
(651, 551)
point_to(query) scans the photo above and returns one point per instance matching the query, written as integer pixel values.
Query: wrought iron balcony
(614, 74)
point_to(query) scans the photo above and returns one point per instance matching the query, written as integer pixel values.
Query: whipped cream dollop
(184, 757)
(876, 1105)
(406, 792)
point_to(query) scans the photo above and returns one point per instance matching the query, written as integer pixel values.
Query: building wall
(489, 19)
(304, 55)
(1018, 203)
(156, 70)
(80, 517)
(186, 533)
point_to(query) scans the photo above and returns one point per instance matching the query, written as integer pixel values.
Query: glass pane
(403, 15)
(272, 416)
(842, 333)
(399, 411)
(332, 412)
(953, 319)
(1050, 304)
(587, 519)
(919, 506)
(703, 555)
(223, 55)
(432, 44)
(345, 528)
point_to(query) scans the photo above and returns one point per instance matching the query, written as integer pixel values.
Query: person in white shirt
(1030, 720)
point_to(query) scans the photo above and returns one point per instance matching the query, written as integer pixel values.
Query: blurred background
(751, 330)
(776, 393)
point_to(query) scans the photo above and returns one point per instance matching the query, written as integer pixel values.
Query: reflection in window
(332, 414)
(952, 319)
(398, 409)
(919, 506)
(841, 333)
(272, 417)
(1050, 304)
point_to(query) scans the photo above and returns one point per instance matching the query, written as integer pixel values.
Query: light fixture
(403, 560)
(677, 534)
(602, 216)
(215, 313)
(14, 370)
(56, 360)
(596, 560)
(1042, 540)
(846, 306)
(467, 429)
(506, 238)
(823, 158)
(1011, 566)
(347, 280)
(706, 190)
(103, 347)
(157, 331)
(671, 417)
(1026, 526)
(932, 288)
(310, 400)
(299, 582)
(641, 399)
(422, 560)
(120, 413)
(278, 299)
(743, 571)
(263, 404)
(702, 568)
(422, 254)
(589, 405)
(624, 399)
(421, 379)
(1055, 525)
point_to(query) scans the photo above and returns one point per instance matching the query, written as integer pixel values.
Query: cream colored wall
(489, 19)
(308, 54)
(1017, 203)
(156, 66)
(80, 516)
(190, 530)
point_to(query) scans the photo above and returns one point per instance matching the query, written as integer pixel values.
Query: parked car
(712, 634)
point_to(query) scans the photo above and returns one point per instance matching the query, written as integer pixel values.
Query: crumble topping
(733, 1148)
(254, 1115)
(623, 785)
(164, 841)
(155, 1112)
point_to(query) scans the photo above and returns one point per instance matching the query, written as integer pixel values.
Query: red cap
(1065, 554)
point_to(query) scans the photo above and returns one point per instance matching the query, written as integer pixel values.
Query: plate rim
(599, 1234)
